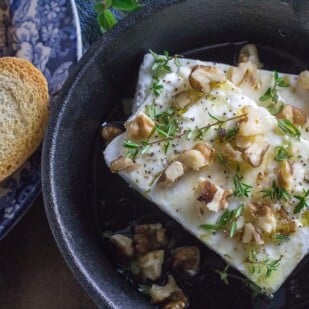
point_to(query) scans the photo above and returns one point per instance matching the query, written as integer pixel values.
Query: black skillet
(81, 196)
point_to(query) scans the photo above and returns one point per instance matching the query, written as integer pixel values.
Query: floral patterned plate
(47, 33)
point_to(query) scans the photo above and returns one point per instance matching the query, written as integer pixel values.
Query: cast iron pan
(106, 74)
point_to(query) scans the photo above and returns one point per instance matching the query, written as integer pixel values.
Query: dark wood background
(33, 273)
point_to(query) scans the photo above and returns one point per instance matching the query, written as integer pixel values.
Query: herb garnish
(224, 276)
(282, 153)
(280, 237)
(226, 222)
(241, 189)
(105, 15)
(135, 148)
(303, 202)
(261, 267)
(276, 193)
(272, 95)
(159, 67)
(288, 128)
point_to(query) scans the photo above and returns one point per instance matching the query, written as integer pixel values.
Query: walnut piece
(252, 124)
(150, 264)
(294, 114)
(123, 164)
(202, 77)
(285, 175)
(171, 174)
(254, 154)
(109, 132)
(250, 234)
(140, 127)
(149, 237)
(187, 258)
(231, 154)
(182, 99)
(211, 195)
(249, 53)
(123, 243)
(303, 80)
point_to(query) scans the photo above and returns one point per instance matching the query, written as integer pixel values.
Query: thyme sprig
(272, 95)
(134, 148)
(241, 189)
(263, 267)
(288, 128)
(225, 276)
(281, 153)
(276, 193)
(303, 202)
(161, 66)
(227, 221)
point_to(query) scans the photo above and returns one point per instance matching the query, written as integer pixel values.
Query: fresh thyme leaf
(156, 87)
(281, 237)
(233, 229)
(267, 95)
(276, 193)
(281, 153)
(130, 144)
(210, 227)
(151, 111)
(272, 94)
(303, 202)
(215, 118)
(227, 221)
(240, 188)
(288, 128)
(167, 146)
(224, 276)
(231, 133)
(261, 267)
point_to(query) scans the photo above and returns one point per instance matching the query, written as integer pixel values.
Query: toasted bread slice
(23, 112)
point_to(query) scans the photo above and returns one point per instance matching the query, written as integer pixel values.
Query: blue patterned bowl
(45, 32)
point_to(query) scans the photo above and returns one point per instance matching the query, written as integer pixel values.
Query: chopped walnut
(254, 154)
(177, 300)
(182, 99)
(123, 243)
(160, 293)
(249, 53)
(123, 164)
(140, 127)
(171, 174)
(252, 124)
(188, 258)
(231, 154)
(150, 264)
(149, 237)
(303, 80)
(245, 71)
(263, 215)
(285, 175)
(211, 195)
(202, 77)
(294, 114)
(250, 234)
(109, 132)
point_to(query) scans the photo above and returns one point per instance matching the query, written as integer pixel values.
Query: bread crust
(24, 112)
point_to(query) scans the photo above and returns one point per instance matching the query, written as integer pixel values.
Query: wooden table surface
(33, 273)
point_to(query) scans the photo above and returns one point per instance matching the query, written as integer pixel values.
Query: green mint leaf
(288, 128)
(125, 5)
(106, 20)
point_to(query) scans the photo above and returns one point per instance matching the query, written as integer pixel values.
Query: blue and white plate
(47, 33)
